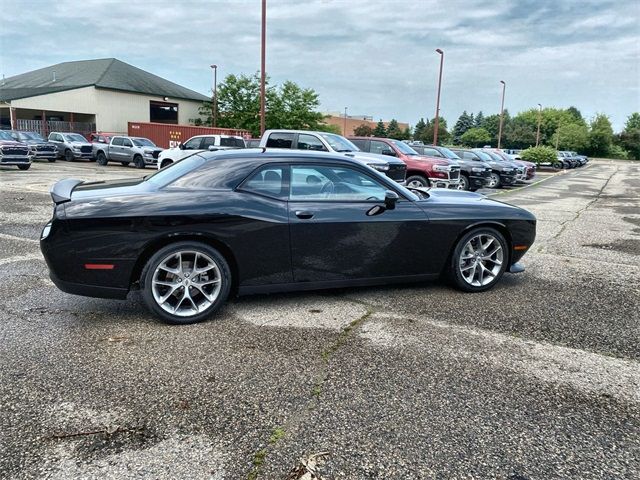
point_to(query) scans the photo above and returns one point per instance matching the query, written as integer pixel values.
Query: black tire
(418, 179)
(68, 155)
(454, 273)
(51, 160)
(125, 164)
(558, 165)
(101, 158)
(138, 161)
(495, 179)
(146, 282)
(464, 182)
(24, 167)
(166, 162)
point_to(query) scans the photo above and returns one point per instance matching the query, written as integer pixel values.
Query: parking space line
(6, 236)
(20, 258)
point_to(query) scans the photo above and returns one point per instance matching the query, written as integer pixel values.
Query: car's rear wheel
(479, 260)
(68, 155)
(101, 158)
(493, 181)
(464, 182)
(24, 167)
(138, 161)
(185, 282)
(417, 181)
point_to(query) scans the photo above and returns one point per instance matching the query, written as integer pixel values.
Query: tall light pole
(539, 121)
(262, 66)
(437, 124)
(504, 86)
(214, 99)
(344, 129)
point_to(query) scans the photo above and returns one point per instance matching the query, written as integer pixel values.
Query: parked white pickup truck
(199, 143)
(140, 151)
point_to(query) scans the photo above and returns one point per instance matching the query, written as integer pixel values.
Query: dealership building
(93, 95)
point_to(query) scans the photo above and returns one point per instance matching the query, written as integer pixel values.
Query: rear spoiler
(61, 191)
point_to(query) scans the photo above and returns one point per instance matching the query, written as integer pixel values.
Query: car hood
(468, 200)
(108, 188)
(366, 157)
(12, 143)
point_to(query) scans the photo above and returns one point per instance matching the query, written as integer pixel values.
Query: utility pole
(539, 121)
(437, 119)
(344, 129)
(214, 99)
(504, 86)
(262, 67)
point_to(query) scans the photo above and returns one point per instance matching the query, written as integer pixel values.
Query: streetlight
(539, 121)
(344, 130)
(214, 99)
(504, 86)
(435, 130)
(262, 66)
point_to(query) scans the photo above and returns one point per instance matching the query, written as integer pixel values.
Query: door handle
(303, 214)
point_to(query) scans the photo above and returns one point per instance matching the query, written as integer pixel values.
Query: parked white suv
(199, 143)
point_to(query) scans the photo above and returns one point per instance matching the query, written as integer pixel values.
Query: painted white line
(6, 236)
(20, 258)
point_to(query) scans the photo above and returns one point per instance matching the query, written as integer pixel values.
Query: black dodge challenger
(250, 221)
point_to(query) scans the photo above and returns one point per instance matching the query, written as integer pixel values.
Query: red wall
(166, 135)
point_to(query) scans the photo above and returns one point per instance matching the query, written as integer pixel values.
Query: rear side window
(361, 144)
(232, 142)
(432, 152)
(280, 140)
(193, 144)
(117, 141)
(209, 142)
(126, 142)
(268, 180)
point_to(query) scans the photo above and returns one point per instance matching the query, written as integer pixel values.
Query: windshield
(448, 153)
(5, 136)
(174, 171)
(143, 142)
(404, 148)
(487, 157)
(74, 137)
(32, 136)
(338, 143)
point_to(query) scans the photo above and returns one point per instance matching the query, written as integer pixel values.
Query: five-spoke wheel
(186, 282)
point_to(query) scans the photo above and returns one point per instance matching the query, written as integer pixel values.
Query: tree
(629, 139)
(476, 137)
(406, 134)
(574, 137)
(464, 123)
(380, 131)
(492, 124)
(393, 130)
(418, 131)
(600, 135)
(287, 105)
(479, 120)
(540, 155)
(577, 116)
(443, 133)
(363, 130)
(519, 134)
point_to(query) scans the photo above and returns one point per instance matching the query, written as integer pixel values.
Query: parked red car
(422, 171)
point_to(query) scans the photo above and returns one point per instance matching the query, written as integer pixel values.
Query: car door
(126, 150)
(340, 229)
(115, 149)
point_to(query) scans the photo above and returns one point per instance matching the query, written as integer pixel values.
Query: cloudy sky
(375, 57)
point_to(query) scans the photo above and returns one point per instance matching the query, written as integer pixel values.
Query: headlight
(477, 169)
(507, 170)
(442, 168)
(148, 153)
(45, 231)
(76, 147)
(382, 167)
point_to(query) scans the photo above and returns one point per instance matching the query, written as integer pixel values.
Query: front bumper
(477, 181)
(508, 179)
(82, 155)
(14, 160)
(444, 182)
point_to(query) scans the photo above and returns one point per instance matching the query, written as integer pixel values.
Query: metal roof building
(102, 94)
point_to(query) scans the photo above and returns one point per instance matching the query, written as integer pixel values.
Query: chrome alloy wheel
(186, 283)
(481, 260)
(417, 184)
(493, 180)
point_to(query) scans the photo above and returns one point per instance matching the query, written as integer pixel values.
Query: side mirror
(390, 199)
(389, 153)
(181, 146)
(212, 148)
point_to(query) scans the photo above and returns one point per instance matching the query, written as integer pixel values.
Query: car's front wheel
(101, 158)
(479, 260)
(493, 181)
(417, 181)
(464, 183)
(68, 155)
(138, 161)
(24, 167)
(185, 282)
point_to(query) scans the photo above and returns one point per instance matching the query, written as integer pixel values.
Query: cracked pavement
(538, 378)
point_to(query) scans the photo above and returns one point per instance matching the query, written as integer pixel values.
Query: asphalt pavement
(537, 379)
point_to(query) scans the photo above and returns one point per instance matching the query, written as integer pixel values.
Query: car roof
(216, 135)
(274, 155)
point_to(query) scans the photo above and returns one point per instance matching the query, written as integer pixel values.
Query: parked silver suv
(71, 146)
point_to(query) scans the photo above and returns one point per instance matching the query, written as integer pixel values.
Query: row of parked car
(415, 164)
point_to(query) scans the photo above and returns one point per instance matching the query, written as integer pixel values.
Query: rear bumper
(88, 290)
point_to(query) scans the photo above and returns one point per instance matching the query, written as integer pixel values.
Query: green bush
(539, 155)
(616, 151)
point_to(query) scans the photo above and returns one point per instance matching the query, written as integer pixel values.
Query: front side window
(126, 142)
(331, 183)
(117, 141)
(339, 143)
(193, 143)
(381, 148)
(310, 142)
(280, 140)
(432, 152)
(268, 180)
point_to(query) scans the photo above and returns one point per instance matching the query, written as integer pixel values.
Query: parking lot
(538, 378)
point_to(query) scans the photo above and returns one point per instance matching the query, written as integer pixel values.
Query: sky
(375, 57)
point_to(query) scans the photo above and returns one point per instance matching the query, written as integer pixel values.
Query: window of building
(163, 112)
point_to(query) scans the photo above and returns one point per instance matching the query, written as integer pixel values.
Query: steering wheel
(327, 189)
